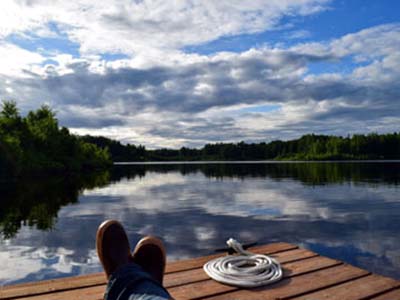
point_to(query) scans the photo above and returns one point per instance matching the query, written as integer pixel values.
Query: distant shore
(310, 147)
(199, 162)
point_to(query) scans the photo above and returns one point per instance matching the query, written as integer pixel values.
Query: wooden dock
(307, 275)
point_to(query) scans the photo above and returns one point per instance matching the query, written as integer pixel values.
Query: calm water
(349, 211)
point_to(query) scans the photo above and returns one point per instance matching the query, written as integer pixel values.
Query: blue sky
(340, 18)
(172, 74)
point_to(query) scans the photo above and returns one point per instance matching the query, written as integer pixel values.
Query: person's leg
(131, 282)
(130, 278)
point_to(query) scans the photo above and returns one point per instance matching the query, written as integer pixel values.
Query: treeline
(310, 173)
(308, 147)
(119, 152)
(33, 201)
(35, 143)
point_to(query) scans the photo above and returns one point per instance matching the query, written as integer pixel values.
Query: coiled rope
(244, 270)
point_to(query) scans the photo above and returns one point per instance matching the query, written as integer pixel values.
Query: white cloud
(37, 263)
(146, 26)
(161, 96)
(299, 34)
(195, 101)
(16, 61)
(155, 202)
(364, 45)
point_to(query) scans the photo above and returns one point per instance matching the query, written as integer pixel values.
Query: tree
(9, 110)
(35, 143)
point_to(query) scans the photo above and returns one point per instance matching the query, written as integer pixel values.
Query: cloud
(134, 27)
(160, 96)
(154, 202)
(192, 101)
(299, 34)
(154, 93)
(222, 80)
(17, 61)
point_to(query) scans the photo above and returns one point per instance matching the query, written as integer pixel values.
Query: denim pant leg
(131, 282)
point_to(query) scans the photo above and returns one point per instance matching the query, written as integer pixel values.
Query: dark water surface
(348, 211)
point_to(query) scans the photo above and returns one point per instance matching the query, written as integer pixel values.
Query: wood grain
(99, 279)
(210, 287)
(297, 285)
(391, 295)
(354, 290)
(307, 276)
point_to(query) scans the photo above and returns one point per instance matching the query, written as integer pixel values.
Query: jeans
(131, 282)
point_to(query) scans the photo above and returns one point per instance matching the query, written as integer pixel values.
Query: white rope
(244, 270)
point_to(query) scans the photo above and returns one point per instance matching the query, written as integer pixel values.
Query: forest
(37, 144)
(307, 147)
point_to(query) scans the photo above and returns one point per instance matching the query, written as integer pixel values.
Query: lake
(348, 211)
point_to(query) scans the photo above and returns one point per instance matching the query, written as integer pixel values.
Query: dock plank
(94, 293)
(307, 276)
(290, 287)
(90, 293)
(83, 281)
(209, 287)
(391, 295)
(287, 257)
(186, 277)
(358, 289)
(199, 261)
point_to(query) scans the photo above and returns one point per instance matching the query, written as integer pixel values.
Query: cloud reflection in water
(195, 212)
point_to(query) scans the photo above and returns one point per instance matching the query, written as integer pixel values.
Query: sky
(187, 73)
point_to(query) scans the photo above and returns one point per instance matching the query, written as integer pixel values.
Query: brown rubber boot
(150, 254)
(112, 246)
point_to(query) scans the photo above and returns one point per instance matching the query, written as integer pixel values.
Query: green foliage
(9, 110)
(118, 151)
(308, 147)
(35, 143)
(35, 202)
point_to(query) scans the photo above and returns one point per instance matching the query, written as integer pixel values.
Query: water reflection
(307, 173)
(36, 202)
(346, 211)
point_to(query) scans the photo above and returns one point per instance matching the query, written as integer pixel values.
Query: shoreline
(200, 162)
